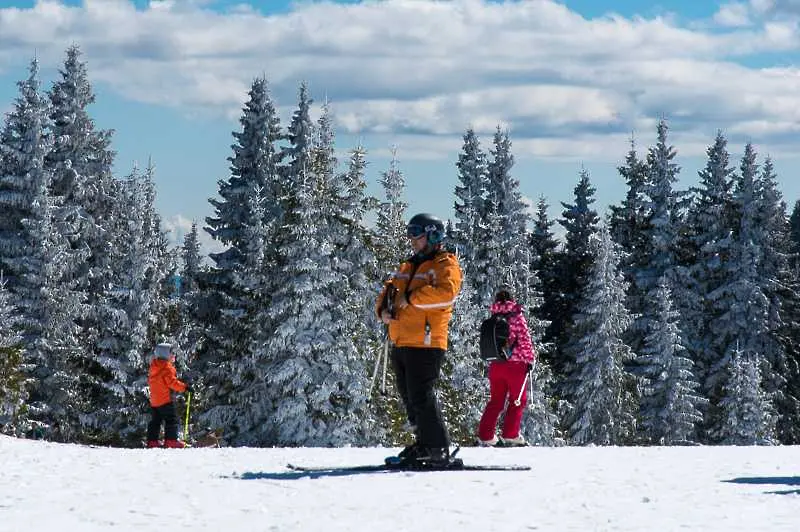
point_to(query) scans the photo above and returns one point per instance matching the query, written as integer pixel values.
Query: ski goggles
(415, 231)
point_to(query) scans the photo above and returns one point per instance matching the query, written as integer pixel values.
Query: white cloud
(178, 226)
(735, 15)
(566, 86)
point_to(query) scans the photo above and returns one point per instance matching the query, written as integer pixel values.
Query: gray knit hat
(163, 351)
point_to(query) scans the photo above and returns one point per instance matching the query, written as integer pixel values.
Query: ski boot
(519, 441)
(405, 456)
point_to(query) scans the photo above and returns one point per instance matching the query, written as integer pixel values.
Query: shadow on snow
(785, 481)
(296, 475)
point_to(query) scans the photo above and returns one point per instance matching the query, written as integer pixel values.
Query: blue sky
(570, 81)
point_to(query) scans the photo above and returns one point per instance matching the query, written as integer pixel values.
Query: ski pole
(385, 365)
(522, 388)
(186, 421)
(378, 366)
(518, 400)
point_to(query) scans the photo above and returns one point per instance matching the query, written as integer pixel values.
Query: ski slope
(52, 487)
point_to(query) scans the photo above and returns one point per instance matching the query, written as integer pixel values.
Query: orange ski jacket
(162, 378)
(431, 287)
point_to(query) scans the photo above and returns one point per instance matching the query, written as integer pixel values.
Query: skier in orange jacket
(163, 380)
(417, 304)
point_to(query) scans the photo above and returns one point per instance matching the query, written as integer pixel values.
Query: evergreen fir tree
(746, 412)
(779, 284)
(710, 222)
(544, 250)
(580, 222)
(391, 242)
(604, 408)
(37, 259)
(316, 382)
(123, 340)
(670, 399)
(504, 258)
(463, 389)
(470, 199)
(221, 306)
(740, 306)
(12, 377)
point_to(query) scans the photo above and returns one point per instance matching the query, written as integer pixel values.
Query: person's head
(503, 294)
(425, 231)
(164, 351)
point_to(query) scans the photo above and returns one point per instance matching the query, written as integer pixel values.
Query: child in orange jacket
(162, 379)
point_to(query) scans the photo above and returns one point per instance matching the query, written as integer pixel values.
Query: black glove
(530, 367)
(189, 388)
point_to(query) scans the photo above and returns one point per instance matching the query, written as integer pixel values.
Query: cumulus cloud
(735, 15)
(421, 71)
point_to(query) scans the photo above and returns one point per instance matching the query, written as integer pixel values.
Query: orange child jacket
(162, 378)
(432, 292)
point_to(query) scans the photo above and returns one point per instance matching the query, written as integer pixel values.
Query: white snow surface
(54, 487)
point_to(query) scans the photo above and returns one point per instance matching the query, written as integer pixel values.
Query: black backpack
(494, 337)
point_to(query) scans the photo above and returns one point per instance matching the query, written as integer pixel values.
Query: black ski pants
(416, 372)
(163, 414)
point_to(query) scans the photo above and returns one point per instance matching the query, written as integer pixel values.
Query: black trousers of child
(416, 372)
(163, 414)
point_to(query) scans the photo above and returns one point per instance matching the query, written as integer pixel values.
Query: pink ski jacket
(523, 348)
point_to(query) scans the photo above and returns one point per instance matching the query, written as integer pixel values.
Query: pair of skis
(393, 464)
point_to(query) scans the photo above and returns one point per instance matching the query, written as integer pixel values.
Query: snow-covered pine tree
(297, 155)
(662, 230)
(539, 426)
(747, 417)
(12, 377)
(247, 417)
(544, 250)
(123, 339)
(463, 389)
(740, 307)
(470, 201)
(219, 305)
(580, 221)
(314, 383)
(709, 226)
(604, 409)
(670, 399)
(357, 262)
(627, 220)
(628, 226)
(192, 260)
(391, 248)
(38, 259)
(190, 330)
(162, 266)
(780, 284)
(343, 204)
(788, 424)
(794, 229)
(503, 257)
(391, 243)
(85, 189)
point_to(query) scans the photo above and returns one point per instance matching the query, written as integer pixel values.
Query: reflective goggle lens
(415, 231)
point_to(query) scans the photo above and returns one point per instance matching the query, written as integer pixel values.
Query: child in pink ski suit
(507, 379)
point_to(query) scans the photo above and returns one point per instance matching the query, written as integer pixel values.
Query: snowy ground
(53, 487)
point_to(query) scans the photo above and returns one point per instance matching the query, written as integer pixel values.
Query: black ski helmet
(431, 225)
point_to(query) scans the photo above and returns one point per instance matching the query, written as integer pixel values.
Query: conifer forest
(672, 318)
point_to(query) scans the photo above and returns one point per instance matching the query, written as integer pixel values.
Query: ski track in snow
(50, 487)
